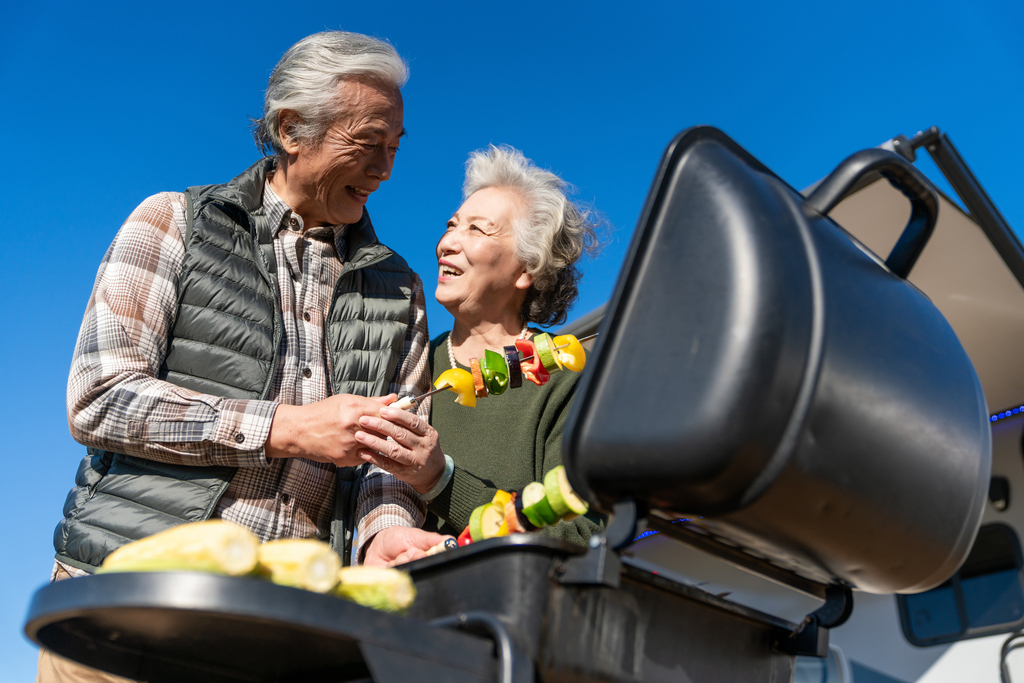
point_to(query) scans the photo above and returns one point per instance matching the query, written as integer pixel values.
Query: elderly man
(236, 334)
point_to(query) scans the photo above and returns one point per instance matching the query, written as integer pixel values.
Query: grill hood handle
(902, 175)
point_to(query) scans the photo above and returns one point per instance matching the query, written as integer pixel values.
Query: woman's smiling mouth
(447, 271)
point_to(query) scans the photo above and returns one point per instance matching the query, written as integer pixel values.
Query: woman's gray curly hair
(550, 235)
(306, 81)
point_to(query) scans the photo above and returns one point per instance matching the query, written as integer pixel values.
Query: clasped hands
(349, 430)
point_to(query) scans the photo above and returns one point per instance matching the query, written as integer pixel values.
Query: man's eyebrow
(382, 132)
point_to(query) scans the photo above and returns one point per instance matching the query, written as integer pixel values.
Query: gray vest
(224, 342)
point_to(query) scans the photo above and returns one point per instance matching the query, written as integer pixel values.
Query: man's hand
(414, 452)
(323, 431)
(398, 545)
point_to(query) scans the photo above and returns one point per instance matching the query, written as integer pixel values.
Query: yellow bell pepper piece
(461, 382)
(501, 498)
(572, 356)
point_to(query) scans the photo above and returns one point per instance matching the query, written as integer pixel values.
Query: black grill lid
(760, 371)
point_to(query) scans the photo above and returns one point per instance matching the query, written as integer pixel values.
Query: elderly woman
(506, 260)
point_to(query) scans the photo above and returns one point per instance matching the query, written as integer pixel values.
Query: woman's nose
(449, 243)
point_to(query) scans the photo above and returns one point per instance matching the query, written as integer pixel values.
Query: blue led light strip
(1006, 413)
(651, 532)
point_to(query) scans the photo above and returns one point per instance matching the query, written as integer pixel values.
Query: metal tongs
(412, 402)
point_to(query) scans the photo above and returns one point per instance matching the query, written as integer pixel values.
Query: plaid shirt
(115, 401)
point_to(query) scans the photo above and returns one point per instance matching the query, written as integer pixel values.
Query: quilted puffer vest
(224, 342)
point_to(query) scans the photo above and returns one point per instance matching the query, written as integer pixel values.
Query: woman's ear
(524, 281)
(286, 121)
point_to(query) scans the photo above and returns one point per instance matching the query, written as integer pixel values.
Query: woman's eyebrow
(476, 219)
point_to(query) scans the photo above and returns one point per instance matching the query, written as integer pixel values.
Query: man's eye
(393, 150)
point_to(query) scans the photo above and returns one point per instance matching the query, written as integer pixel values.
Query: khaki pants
(55, 669)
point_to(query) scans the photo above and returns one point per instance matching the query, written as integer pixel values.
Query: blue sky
(105, 104)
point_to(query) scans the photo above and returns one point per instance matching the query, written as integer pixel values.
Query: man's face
(329, 184)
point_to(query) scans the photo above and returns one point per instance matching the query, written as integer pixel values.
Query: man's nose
(380, 164)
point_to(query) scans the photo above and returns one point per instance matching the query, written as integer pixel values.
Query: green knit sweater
(505, 442)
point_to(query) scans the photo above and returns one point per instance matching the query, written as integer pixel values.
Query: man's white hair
(306, 82)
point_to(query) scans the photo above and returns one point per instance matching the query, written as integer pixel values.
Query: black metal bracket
(980, 206)
(624, 524)
(601, 565)
(514, 667)
(811, 638)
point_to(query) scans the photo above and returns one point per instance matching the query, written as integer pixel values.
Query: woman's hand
(412, 453)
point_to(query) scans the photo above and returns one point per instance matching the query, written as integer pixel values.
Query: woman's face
(478, 272)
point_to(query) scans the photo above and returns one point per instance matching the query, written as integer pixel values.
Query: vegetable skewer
(537, 505)
(491, 379)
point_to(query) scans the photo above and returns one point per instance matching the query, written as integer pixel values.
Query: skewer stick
(410, 402)
(562, 346)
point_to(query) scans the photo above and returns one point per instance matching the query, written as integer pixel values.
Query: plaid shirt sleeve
(115, 401)
(383, 500)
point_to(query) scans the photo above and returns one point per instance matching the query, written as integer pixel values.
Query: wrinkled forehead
(497, 206)
(372, 105)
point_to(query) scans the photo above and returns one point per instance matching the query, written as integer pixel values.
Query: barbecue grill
(824, 431)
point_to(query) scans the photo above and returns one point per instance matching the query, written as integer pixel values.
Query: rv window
(983, 598)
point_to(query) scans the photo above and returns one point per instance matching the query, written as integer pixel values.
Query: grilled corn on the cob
(390, 590)
(212, 546)
(301, 563)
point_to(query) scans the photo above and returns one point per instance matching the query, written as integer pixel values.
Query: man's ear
(286, 122)
(524, 281)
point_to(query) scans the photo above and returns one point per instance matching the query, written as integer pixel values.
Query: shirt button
(307, 373)
(285, 498)
(239, 437)
(293, 223)
(307, 317)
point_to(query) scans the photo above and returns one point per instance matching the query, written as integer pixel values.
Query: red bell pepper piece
(533, 369)
(464, 538)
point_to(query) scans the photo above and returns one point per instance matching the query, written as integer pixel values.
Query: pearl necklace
(451, 354)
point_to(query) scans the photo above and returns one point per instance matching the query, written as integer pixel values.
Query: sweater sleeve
(460, 497)
(583, 527)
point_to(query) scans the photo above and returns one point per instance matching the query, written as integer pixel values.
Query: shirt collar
(281, 216)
